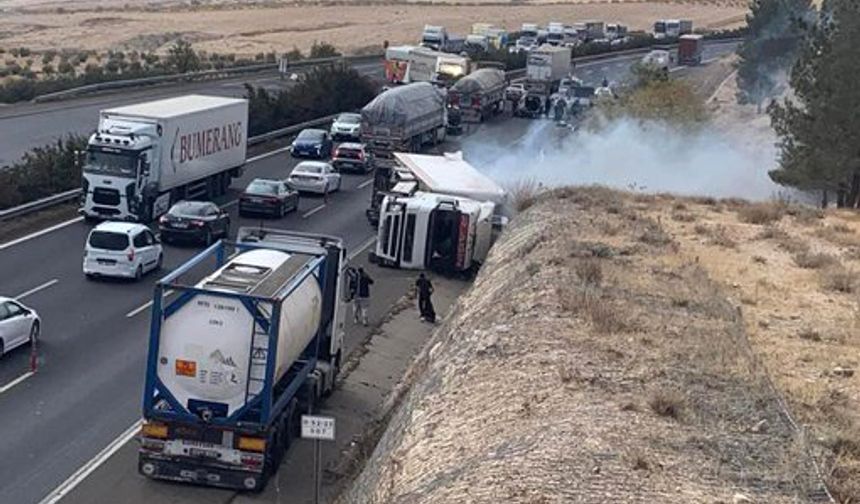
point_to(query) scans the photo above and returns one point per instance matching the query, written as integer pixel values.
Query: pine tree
(819, 127)
(775, 28)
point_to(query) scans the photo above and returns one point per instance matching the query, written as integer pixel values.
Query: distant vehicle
(142, 156)
(659, 59)
(545, 67)
(197, 221)
(555, 34)
(346, 125)
(239, 355)
(690, 49)
(515, 91)
(615, 31)
(434, 37)
(672, 28)
(267, 196)
(477, 43)
(403, 118)
(531, 105)
(316, 177)
(19, 324)
(352, 157)
(595, 30)
(479, 94)
(312, 143)
(528, 37)
(121, 249)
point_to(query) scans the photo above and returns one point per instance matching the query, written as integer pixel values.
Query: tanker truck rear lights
(254, 444)
(186, 368)
(154, 430)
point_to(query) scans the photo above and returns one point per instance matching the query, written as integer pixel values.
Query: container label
(205, 142)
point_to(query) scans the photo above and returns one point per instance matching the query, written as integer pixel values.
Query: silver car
(18, 324)
(315, 176)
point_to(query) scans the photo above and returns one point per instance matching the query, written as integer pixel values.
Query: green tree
(775, 28)
(819, 128)
(182, 58)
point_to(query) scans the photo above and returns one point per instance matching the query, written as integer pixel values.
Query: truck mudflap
(208, 473)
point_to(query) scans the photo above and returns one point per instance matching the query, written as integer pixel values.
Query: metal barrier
(192, 76)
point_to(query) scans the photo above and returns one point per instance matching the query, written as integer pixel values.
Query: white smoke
(647, 157)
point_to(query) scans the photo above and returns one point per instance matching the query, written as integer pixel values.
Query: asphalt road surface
(28, 125)
(88, 389)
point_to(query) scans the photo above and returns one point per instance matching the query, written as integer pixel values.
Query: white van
(121, 249)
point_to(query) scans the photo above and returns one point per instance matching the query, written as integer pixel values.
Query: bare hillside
(594, 360)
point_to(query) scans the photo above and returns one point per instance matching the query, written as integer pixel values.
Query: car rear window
(190, 209)
(108, 240)
(310, 135)
(345, 152)
(264, 188)
(309, 169)
(349, 119)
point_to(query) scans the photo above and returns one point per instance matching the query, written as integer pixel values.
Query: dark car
(266, 196)
(314, 143)
(194, 221)
(352, 157)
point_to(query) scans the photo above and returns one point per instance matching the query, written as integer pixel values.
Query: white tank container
(205, 347)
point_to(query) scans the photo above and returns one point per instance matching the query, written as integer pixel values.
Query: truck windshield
(111, 163)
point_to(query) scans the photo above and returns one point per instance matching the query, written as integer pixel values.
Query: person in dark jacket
(425, 304)
(362, 298)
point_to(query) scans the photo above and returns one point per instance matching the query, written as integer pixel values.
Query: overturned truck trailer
(478, 94)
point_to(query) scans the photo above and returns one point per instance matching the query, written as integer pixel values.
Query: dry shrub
(590, 272)
(839, 234)
(844, 477)
(667, 403)
(772, 233)
(809, 260)
(787, 242)
(524, 193)
(841, 228)
(683, 217)
(655, 235)
(679, 206)
(839, 278)
(606, 319)
(805, 215)
(761, 213)
(705, 200)
(702, 229)
(809, 335)
(720, 237)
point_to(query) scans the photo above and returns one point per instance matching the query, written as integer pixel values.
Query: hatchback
(121, 249)
(314, 143)
(18, 324)
(352, 157)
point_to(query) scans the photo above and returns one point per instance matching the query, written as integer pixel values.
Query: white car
(121, 249)
(18, 324)
(347, 126)
(315, 176)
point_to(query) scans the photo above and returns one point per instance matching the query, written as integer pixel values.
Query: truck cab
(442, 233)
(117, 171)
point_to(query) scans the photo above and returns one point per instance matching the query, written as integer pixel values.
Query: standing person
(425, 305)
(362, 300)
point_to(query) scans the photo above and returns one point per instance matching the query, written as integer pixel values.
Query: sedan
(197, 221)
(314, 143)
(18, 324)
(352, 157)
(266, 196)
(346, 126)
(315, 176)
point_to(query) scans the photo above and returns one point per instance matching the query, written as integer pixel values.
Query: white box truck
(146, 156)
(545, 67)
(440, 214)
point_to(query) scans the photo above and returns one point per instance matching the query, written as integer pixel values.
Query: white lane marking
(145, 306)
(365, 184)
(312, 211)
(36, 289)
(269, 154)
(40, 233)
(16, 381)
(361, 249)
(85, 470)
(229, 204)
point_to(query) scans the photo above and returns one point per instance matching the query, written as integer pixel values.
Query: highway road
(28, 125)
(88, 389)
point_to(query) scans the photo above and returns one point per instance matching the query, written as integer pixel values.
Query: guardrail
(192, 76)
(71, 195)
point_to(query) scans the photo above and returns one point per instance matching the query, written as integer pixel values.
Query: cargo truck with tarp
(479, 94)
(250, 339)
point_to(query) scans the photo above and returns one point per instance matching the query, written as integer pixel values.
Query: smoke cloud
(647, 157)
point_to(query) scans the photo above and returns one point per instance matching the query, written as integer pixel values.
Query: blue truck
(245, 337)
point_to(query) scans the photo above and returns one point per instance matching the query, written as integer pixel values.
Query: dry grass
(840, 235)
(838, 278)
(524, 193)
(761, 213)
(667, 403)
(589, 271)
(810, 260)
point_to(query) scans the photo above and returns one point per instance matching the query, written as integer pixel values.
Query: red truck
(690, 49)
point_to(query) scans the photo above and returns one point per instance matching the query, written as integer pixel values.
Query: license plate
(196, 452)
(105, 261)
(180, 225)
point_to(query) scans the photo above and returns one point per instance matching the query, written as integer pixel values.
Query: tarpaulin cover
(479, 81)
(399, 106)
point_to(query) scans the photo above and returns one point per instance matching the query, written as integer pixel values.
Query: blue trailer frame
(258, 413)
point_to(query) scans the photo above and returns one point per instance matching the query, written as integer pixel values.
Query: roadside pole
(318, 428)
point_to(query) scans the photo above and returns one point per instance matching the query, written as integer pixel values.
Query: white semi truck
(236, 358)
(146, 156)
(440, 214)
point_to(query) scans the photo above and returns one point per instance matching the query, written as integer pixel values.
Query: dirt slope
(592, 361)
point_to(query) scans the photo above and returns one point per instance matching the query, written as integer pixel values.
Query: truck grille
(104, 196)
